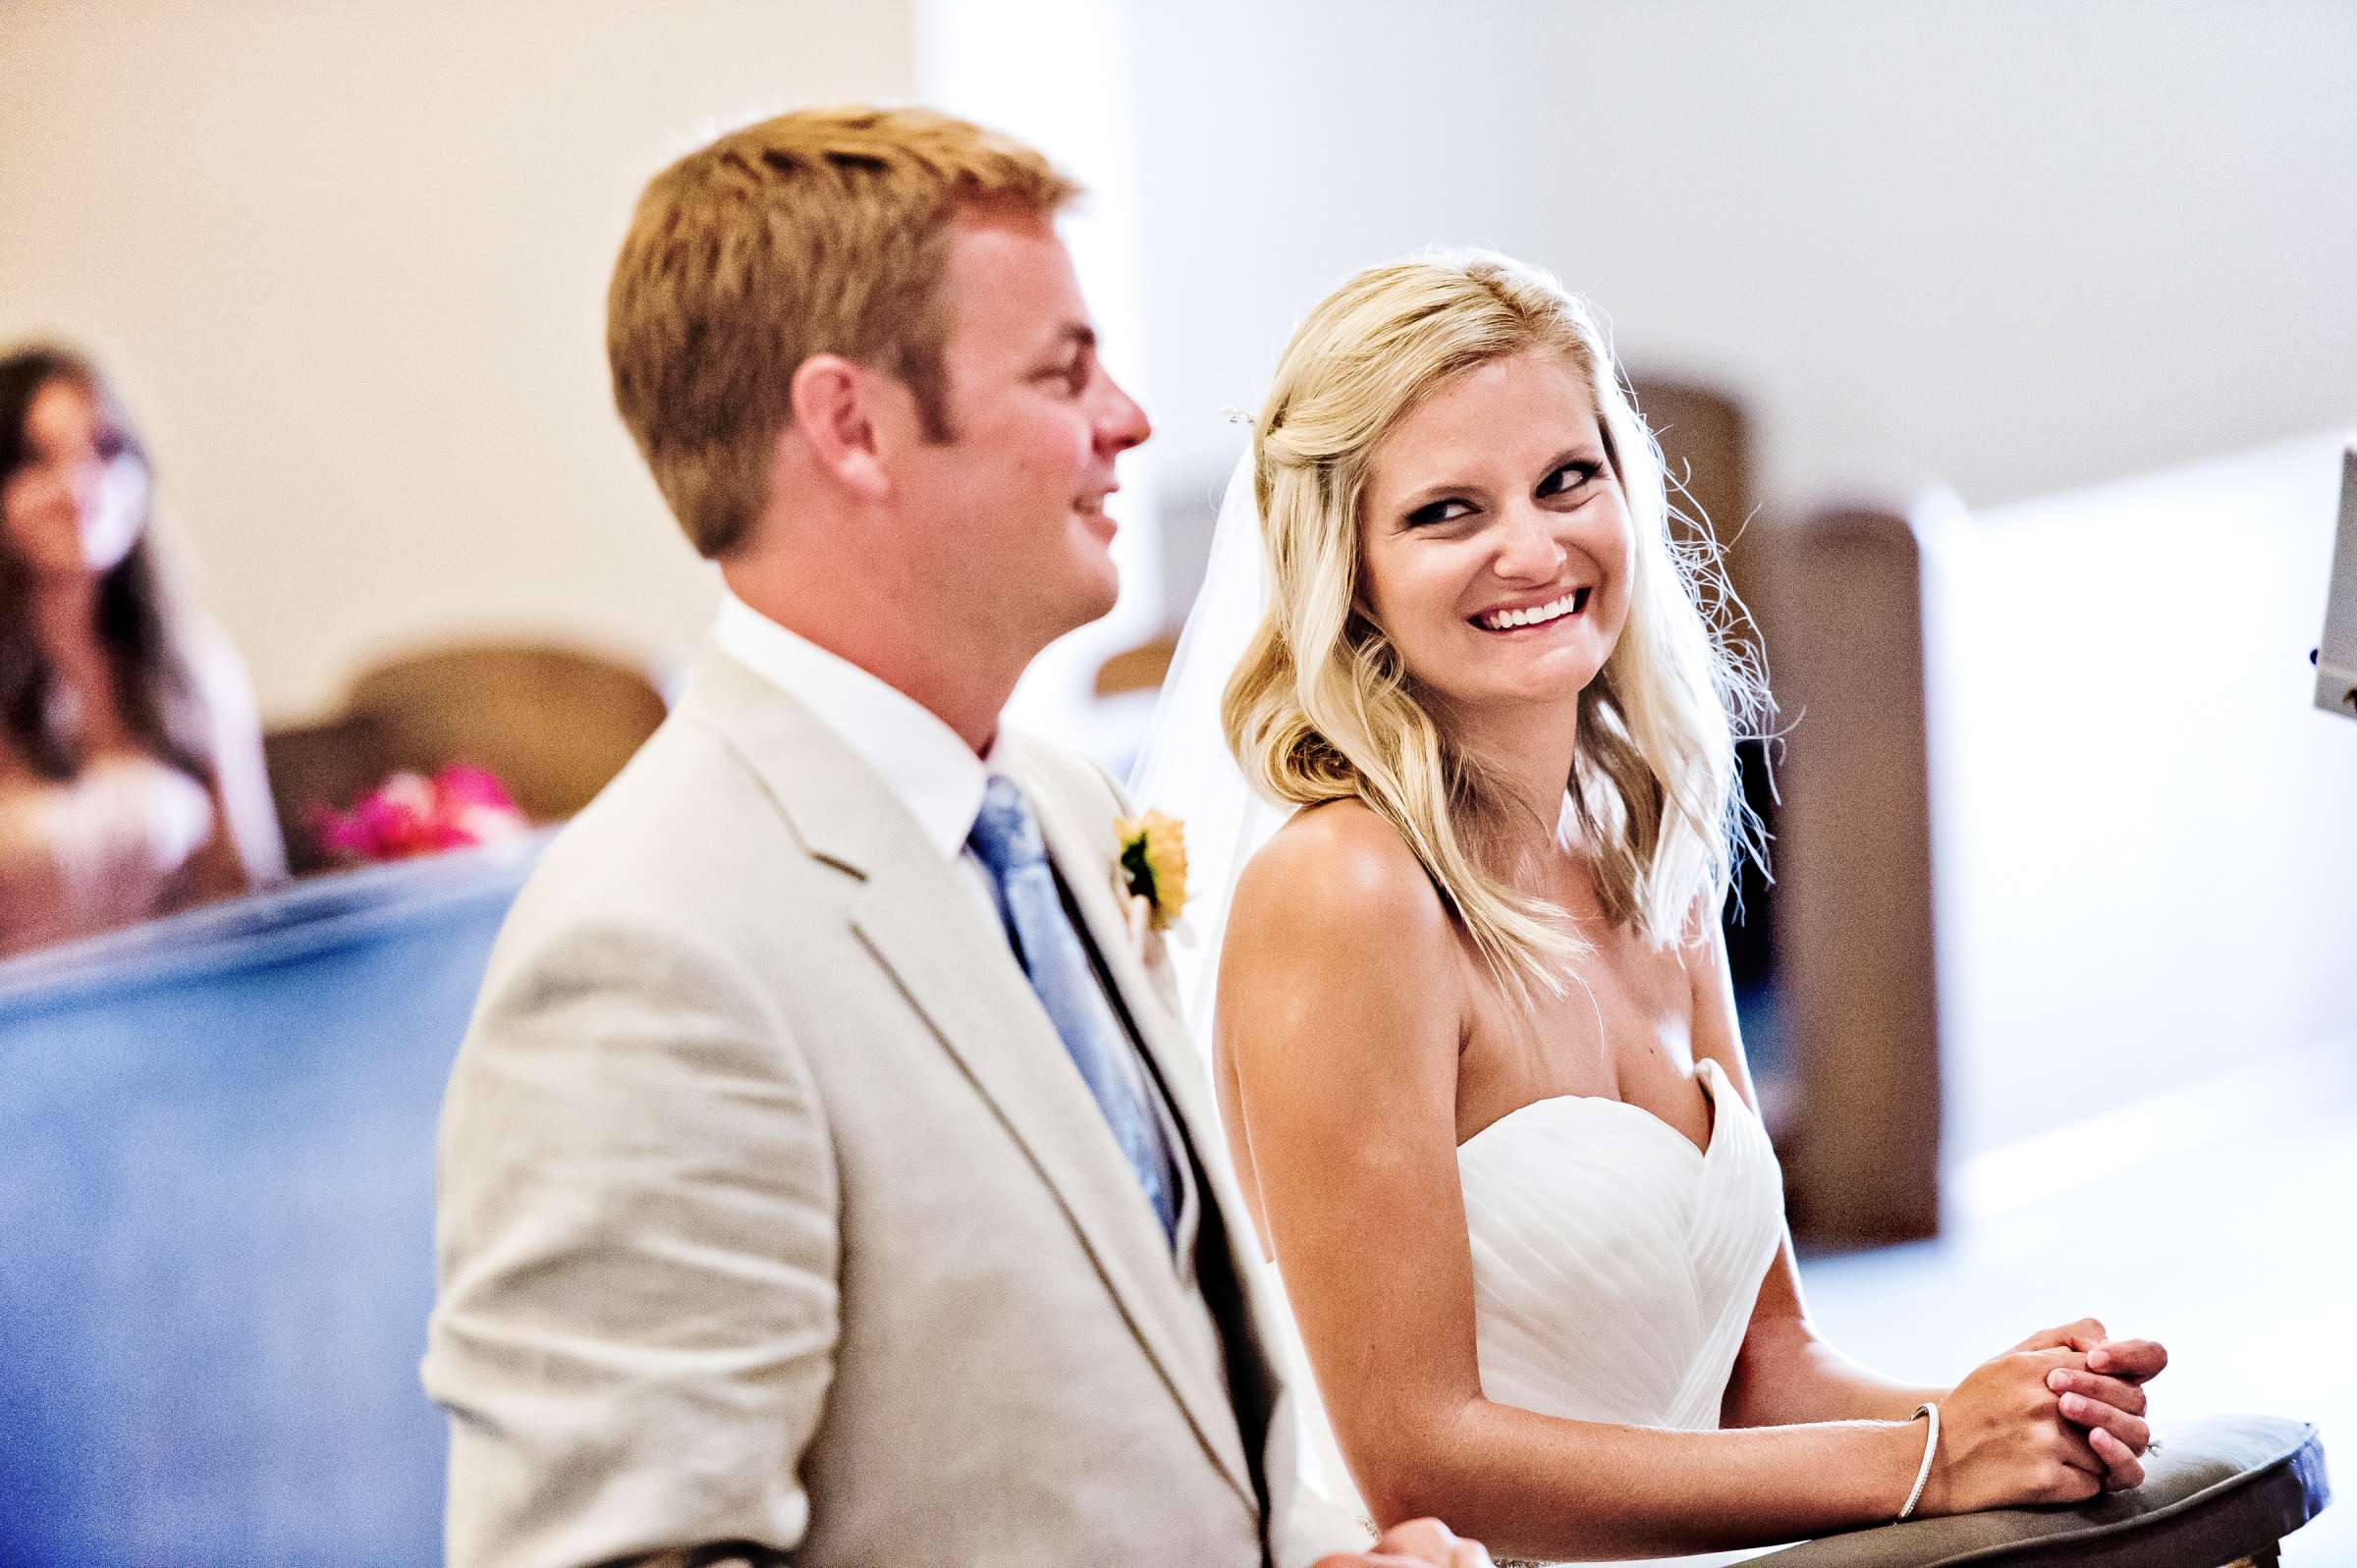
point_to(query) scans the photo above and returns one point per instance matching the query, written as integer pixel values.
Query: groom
(825, 1176)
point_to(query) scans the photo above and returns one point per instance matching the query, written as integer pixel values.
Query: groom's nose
(1120, 423)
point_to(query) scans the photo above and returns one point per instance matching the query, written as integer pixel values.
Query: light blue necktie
(1008, 842)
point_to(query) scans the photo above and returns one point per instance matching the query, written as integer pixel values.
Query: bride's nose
(1528, 547)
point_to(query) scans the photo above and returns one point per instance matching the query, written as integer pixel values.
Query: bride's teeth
(1508, 619)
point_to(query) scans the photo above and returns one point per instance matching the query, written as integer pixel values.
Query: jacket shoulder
(1044, 765)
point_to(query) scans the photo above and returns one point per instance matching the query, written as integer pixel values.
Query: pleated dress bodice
(1616, 1265)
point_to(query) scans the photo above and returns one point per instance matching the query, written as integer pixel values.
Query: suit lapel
(1084, 852)
(950, 960)
(1083, 847)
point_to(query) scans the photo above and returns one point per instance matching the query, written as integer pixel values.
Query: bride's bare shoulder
(1340, 873)
(1338, 951)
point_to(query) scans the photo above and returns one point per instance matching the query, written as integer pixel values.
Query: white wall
(2015, 245)
(349, 261)
(1041, 70)
(2142, 827)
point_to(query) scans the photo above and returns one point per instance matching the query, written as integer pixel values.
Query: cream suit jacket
(776, 1224)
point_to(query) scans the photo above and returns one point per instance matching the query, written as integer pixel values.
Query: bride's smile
(1496, 551)
(1526, 617)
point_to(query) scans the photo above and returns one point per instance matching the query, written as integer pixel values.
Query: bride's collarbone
(1621, 1029)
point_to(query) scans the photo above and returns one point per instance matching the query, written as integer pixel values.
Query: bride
(1475, 1044)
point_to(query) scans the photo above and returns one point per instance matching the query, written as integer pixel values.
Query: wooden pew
(2062, 829)
(1857, 968)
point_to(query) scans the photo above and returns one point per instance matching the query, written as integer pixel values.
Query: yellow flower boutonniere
(1152, 865)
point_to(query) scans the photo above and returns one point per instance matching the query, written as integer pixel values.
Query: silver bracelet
(1931, 1449)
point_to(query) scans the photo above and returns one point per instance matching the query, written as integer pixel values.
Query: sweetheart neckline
(1707, 1071)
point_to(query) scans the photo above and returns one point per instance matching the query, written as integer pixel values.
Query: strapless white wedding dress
(1614, 1264)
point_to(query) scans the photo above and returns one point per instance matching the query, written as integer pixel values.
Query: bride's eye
(1447, 509)
(1571, 476)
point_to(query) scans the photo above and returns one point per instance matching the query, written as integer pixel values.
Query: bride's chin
(1559, 677)
(1494, 684)
(1491, 705)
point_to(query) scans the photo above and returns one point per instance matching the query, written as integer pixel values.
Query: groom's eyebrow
(1078, 333)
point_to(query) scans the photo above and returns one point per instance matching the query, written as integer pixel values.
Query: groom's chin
(1097, 584)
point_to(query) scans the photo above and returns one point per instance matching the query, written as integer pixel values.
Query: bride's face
(1495, 541)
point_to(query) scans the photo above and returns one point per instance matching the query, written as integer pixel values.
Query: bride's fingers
(1428, 1541)
(2084, 1334)
(2129, 1432)
(2112, 1392)
(2130, 1360)
(2123, 1472)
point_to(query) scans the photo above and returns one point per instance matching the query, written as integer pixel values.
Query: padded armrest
(2215, 1490)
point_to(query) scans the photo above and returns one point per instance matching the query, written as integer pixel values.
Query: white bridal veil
(1186, 771)
(1186, 768)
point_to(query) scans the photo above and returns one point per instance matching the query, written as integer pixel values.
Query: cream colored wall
(348, 262)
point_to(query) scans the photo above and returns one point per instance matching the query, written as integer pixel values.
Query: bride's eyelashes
(1578, 473)
(1568, 478)
(1448, 509)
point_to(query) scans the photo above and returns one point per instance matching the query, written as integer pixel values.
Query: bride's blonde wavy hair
(1322, 708)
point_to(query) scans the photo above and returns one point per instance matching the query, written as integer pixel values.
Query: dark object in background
(323, 766)
(550, 723)
(1857, 972)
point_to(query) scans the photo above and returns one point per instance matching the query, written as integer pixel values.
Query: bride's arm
(1339, 1011)
(1787, 1373)
(1784, 1372)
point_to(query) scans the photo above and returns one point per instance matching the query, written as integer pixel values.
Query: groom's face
(1008, 511)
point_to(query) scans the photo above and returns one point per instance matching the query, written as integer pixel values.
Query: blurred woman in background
(130, 768)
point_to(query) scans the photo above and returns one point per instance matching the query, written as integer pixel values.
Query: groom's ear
(834, 414)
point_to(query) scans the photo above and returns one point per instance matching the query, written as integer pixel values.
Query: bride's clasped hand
(2041, 1424)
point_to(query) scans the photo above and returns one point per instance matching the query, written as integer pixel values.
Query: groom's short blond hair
(824, 231)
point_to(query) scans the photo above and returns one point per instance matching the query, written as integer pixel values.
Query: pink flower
(411, 814)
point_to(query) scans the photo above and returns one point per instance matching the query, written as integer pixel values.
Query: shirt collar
(929, 769)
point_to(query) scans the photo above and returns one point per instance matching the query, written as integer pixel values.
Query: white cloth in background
(110, 848)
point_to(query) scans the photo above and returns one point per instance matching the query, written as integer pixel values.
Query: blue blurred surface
(216, 1209)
